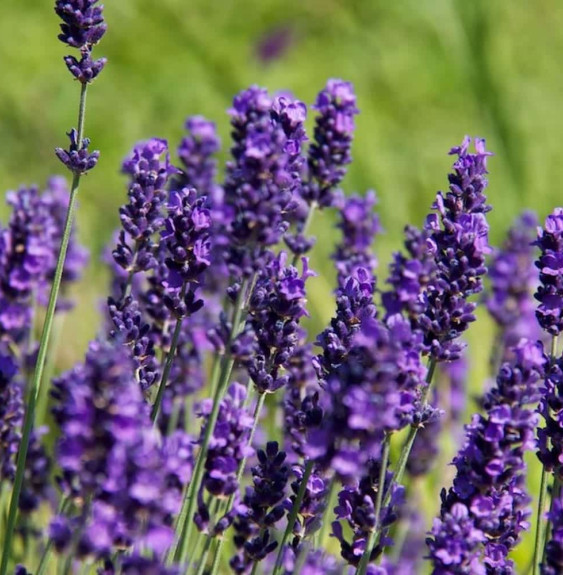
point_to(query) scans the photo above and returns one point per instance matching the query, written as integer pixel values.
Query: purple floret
(78, 159)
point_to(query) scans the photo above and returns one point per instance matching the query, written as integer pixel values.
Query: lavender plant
(207, 430)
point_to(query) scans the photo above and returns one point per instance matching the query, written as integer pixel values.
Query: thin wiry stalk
(240, 471)
(364, 561)
(42, 353)
(185, 519)
(293, 515)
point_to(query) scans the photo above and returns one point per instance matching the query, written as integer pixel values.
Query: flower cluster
(262, 507)
(83, 26)
(261, 177)
(550, 289)
(513, 277)
(111, 458)
(329, 153)
(485, 511)
(373, 392)
(458, 241)
(272, 332)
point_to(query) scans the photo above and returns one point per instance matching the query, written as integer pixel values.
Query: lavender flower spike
(550, 264)
(77, 158)
(329, 153)
(486, 509)
(83, 26)
(553, 562)
(458, 240)
(513, 277)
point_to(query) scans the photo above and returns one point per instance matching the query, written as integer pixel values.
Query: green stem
(185, 519)
(540, 524)
(364, 561)
(293, 515)
(306, 226)
(168, 364)
(42, 354)
(407, 446)
(204, 556)
(323, 534)
(240, 471)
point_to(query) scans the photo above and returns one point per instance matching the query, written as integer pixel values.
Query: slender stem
(168, 364)
(204, 556)
(306, 226)
(42, 354)
(216, 558)
(240, 470)
(540, 524)
(323, 534)
(364, 561)
(185, 519)
(293, 515)
(407, 446)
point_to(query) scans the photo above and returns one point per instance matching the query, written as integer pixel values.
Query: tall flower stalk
(83, 26)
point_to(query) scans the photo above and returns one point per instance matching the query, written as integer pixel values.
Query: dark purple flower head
(276, 306)
(28, 248)
(196, 152)
(550, 264)
(77, 158)
(148, 167)
(457, 239)
(83, 22)
(550, 436)
(274, 43)
(409, 275)
(329, 154)
(488, 501)
(228, 445)
(302, 408)
(513, 276)
(11, 417)
(356, 506)
(372, 392)
(263, 507)
(310, 512)
(354, 304)
(359, 225)
(262, 176)
(111, 456)
(86, 69)
(186, 235)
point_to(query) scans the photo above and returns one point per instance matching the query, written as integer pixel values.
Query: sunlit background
(426, 73)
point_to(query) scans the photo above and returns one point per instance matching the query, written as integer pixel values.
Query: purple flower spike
(272, 331)
(149, 169)
(77, 158)
(486, 509)
(359, 225)
(513, 277)
(111, 456)
(261, 509)
(550, 264)
(329, 153)
(262, 177)
(83, 22)
(85, 70)
(196, 152)
(458, 241)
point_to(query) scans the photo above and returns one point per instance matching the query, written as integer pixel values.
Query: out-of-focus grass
(426, 73)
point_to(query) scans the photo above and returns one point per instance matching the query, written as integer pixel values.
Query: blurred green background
(426, 73)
